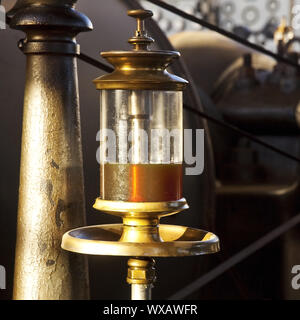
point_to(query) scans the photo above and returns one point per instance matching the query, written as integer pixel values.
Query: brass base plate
(176, 241)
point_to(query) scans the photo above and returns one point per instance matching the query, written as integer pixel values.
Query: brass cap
(141, 68)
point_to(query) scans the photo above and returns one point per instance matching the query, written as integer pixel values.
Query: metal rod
(95, 63)
(141, 292)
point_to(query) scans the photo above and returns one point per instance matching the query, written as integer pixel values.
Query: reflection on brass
(51, 194)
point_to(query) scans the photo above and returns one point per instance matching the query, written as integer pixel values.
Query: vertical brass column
(51, 193)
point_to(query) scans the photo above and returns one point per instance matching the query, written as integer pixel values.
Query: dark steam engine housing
(257, 189)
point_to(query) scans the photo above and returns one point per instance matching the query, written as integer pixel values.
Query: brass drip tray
(106, 240)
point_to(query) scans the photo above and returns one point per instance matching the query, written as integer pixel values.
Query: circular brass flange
(176, 241)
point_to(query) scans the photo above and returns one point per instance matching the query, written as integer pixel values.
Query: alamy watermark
(160, 146)
(2, 278)
(296, 279)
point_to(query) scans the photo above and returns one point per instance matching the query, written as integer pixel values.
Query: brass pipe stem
(141, 276)
(140, 230)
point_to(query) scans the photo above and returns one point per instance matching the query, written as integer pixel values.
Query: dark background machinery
(256, 189)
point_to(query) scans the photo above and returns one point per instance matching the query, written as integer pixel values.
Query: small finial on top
(140, 40)
(140, 14)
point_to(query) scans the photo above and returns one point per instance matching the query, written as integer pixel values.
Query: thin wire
(235, 259)
(223, 32)
(95, 62)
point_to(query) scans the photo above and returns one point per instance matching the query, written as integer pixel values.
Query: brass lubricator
(139, 100)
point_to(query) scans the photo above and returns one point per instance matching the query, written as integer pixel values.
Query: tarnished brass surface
(105, 240)
(141, 68)
(51, 194)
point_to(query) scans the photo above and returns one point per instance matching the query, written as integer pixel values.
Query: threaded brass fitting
(141, 271)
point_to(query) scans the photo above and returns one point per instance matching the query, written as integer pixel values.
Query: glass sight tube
(140, 145)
